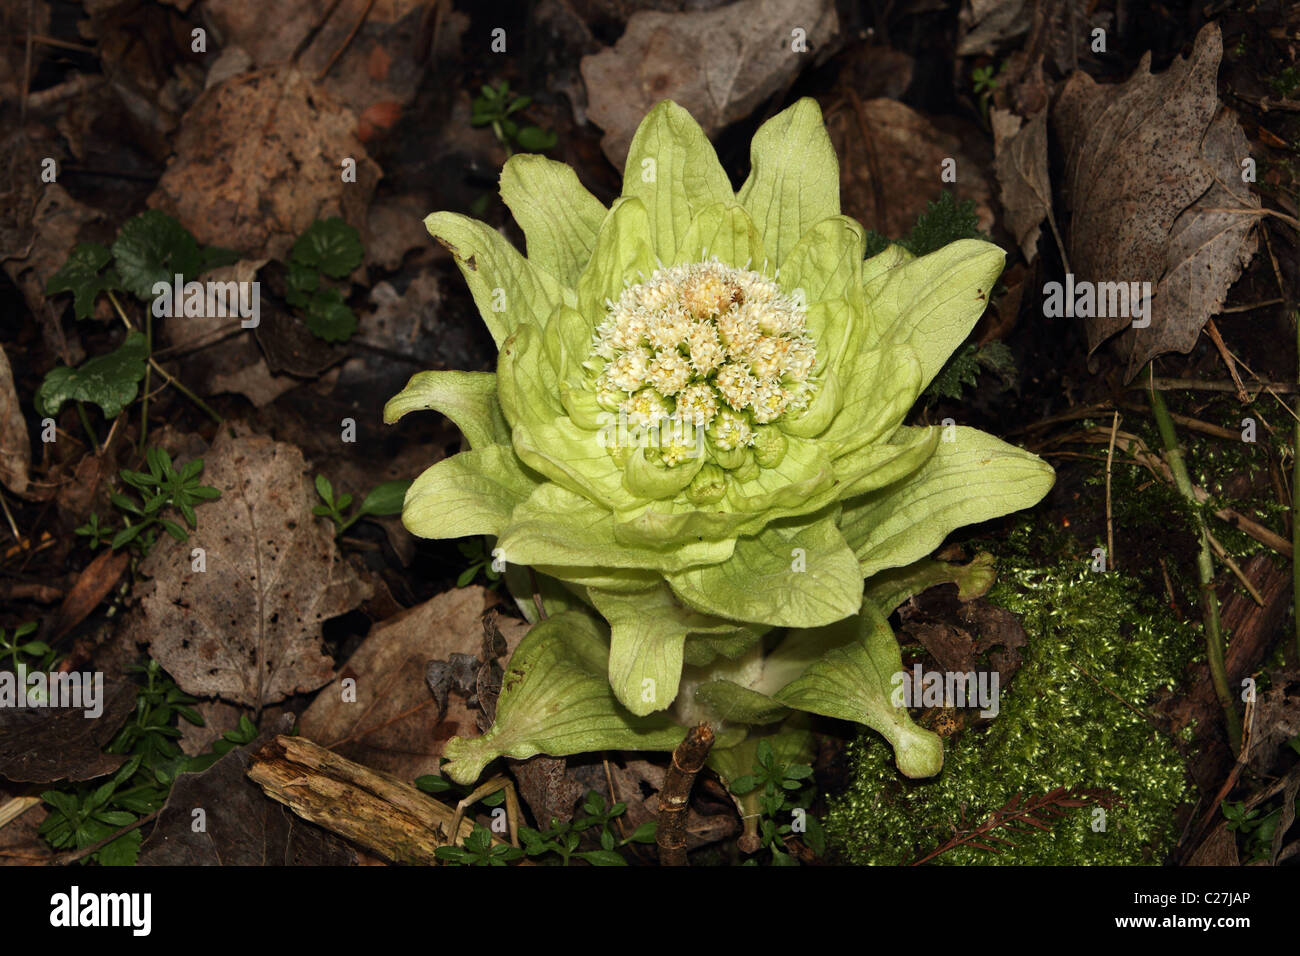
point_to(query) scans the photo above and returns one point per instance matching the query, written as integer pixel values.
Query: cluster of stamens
(708, 345)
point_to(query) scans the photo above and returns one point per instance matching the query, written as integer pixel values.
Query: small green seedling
(785, 789)
(478, 850)
(83, 814)
(563, 839)
(985, 81)
(153, 491)
(479, 560)
(30, 655)
(384, 499)
(151, 248)
(495, 107)
(332, 248)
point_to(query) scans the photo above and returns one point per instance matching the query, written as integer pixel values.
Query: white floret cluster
(706, 344)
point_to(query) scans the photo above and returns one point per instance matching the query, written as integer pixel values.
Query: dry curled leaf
(1021, 165)
(1150, 163)
(1209, 245)
(388, 719)
(257, 162)
(247, 629)
(717, 64)
(15, 447)
(93, 584)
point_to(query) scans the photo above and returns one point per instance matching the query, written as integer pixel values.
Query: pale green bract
(695, 434)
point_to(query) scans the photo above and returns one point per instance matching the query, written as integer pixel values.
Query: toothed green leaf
(151, 248)
(110, 381)
(85, 277)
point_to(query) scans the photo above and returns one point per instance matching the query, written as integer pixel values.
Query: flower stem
(1204, 566)
(144, 392)
(85, 423)
(171, 379)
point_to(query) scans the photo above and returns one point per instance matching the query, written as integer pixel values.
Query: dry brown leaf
(15, 446)
(637, 783)
(258, 161)
(218, 355)
(93, 584)
(891, 158)
(985, 24)
(1277, 720)
(395, 227)
(20, 844)
(717, 64)
(39, 226)
(242, 827)
(218, 718)
(1209, 245)
(326, 27)
(1218, 849)
(248, 628)
(41, 745)
(1139, 154)
(389, 720)
(1021, 166)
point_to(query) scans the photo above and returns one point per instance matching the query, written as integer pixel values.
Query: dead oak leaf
(1148, 169)
(247, 629)
(1210, 243)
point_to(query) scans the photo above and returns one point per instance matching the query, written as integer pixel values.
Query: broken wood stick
(675, 795)
(372, 809)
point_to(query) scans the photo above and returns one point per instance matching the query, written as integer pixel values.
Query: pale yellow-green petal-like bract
(696, 433)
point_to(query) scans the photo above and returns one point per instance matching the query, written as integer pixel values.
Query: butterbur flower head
(695, 428)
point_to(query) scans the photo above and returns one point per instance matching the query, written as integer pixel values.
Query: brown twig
(375, 810)
(675, 795)
(1212, 331)
(537, 595)
(1133, 445)
(1198, 385)
(27, 64)
(613, 799)
(347, 41)
(1018, 815)
(76, 85)
(62, 44)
